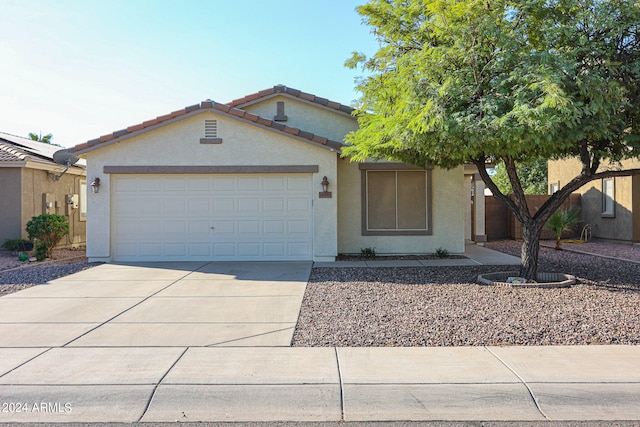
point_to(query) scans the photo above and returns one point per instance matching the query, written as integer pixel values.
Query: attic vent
(210, 128)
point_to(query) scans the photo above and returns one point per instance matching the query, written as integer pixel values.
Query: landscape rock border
(543, 280)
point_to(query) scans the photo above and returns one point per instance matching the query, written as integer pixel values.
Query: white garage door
(211, 217)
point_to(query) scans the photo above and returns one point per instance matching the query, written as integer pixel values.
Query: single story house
(33, 184)
(262, 178)
(611, 206)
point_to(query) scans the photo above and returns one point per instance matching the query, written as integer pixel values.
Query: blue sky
(80, 69)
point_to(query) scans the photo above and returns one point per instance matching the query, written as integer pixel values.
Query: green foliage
(41, 250)
(368, 252)
(533, 177)
(17, 245)
(47, 230)
(39, 137)
(442, 253)
(561, 221)
(459, 81)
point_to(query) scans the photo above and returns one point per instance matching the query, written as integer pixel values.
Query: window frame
(82, 203)
(554, 187)
(606, 213)
(397, 167)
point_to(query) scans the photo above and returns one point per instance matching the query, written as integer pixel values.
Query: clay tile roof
(291, 92)
(211, 105)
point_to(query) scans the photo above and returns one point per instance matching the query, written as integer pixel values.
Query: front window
(396, 202)
(608, 197)
(83, 200)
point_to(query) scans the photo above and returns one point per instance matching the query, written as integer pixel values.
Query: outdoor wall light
(95, 186)
(325, 184)
(325, 194)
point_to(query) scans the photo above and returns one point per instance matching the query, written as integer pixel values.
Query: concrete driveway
(160, 304)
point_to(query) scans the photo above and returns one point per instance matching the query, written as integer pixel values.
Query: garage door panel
(248, 250)
(199, 206)
(200, 250)
(275, 249)
(199, 184)
(175, 184)
(299, 249)
(224, 183)
(298, 227)
(298, 205)
(249, 227)
(150, 249)
(273, 227)
(298, 183)
(222, 250)
(248, 206)
(273, 205)
(273, 183)
(224, 227)
(223, 206)
(211, 217)
(249, 183)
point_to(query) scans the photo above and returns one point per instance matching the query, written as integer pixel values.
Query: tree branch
(518, 192)
(505, 200)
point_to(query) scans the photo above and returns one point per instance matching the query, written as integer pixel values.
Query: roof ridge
(215, 106)
(292, 92)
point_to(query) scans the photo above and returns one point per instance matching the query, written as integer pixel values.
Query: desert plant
(17, 245)
(47, 230)
(442, 252)
(368, 252)
(40, 250)
(561, 221)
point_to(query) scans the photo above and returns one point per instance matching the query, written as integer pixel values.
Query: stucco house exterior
(33, 184)
(611, 206)
(244, 181)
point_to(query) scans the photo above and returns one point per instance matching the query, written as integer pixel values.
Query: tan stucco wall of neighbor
(625, 225)
(307, 116)
(178, 144)
(35, 183)
(10, 204)
(448, 210)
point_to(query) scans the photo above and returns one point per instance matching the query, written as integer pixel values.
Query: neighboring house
(611, 206)
(244, 181)
(32, 185)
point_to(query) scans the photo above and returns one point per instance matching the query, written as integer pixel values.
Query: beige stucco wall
(35, 183)
(448, 210)
(21, 198)
(626, 223)
(243, 144)
(10, 204)
(308, 116)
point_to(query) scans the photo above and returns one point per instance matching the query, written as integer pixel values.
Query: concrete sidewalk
(161, 384)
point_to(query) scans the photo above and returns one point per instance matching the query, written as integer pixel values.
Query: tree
(39, 137)
(533, 175)
(472, 81)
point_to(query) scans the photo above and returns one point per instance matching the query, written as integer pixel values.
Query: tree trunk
(531, 232)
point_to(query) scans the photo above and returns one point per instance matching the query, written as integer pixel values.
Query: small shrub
(561, 221)
(368, 252)
(47, 229)
(442, 252)
(41, 251)
(17, 245)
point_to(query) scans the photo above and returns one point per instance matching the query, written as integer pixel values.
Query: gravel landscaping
(16, 275)
(443, 306)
